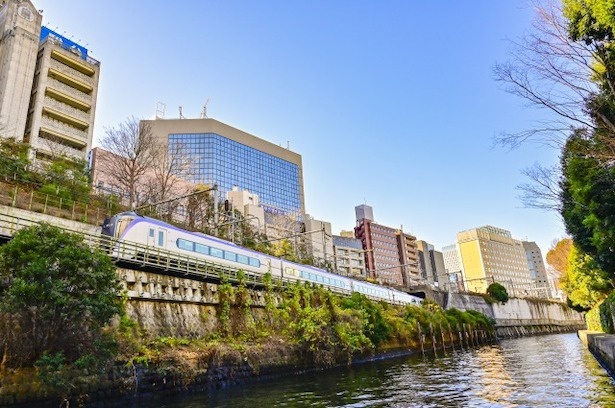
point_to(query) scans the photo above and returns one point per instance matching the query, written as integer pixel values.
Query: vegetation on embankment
(57, 297)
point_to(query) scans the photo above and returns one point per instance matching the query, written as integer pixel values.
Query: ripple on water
(543, 371)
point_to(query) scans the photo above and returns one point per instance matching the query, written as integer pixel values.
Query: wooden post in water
(421, 339)
(442, 335)
(433, 338)
(450, 335)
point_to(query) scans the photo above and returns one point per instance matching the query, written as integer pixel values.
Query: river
(541, 371)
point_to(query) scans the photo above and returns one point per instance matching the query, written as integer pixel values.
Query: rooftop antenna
(204, 111)
(160, 108)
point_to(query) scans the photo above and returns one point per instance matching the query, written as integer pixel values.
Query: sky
(392, 104)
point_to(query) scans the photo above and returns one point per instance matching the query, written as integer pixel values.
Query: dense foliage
(56, 294)
(498, 292)
(584, 282)
(324, 328)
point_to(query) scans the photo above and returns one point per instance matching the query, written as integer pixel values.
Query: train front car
(112, 230)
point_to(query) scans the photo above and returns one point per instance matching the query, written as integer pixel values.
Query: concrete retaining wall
(521, 313)
(602, 346)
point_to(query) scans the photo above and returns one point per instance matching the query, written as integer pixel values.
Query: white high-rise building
(20, 28)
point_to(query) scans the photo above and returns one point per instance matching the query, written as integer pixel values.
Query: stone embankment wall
(171, 306)
(11, 215)
(602, 346)
(520, 317)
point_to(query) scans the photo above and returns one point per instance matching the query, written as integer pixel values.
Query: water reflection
(544, 371)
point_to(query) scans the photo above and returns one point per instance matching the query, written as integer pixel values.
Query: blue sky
(390, 103)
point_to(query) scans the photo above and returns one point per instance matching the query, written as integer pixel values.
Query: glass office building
(222, 155)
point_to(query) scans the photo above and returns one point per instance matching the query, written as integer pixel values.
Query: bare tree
(550, 71)
(134, 150)
(164, 180)
(543, 189)
(553, 71)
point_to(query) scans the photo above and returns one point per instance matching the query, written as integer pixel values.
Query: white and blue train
(153, 234)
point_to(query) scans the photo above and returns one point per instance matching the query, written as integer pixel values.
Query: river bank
(238, 334)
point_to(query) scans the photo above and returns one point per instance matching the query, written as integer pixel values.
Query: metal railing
(25, 199)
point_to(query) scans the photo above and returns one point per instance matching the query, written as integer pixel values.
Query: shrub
(498, 292)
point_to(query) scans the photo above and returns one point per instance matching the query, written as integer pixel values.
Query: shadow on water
(541, 371)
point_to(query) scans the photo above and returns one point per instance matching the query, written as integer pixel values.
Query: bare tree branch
(134, 149)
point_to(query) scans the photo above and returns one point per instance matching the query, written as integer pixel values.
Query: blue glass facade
(216, 159)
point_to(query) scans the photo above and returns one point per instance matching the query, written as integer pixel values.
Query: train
(149, 233)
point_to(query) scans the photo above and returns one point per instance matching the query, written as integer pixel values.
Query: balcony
(82, 119)
(82, 97)
(72, 135)
(54, 149)
(73, 73)
(66, 57)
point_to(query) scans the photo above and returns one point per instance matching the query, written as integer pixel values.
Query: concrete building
(319, 241)
(63, 101)
(489, 254)
(349, 258)
(431, 264)
(452, 266)
(390, 254)
(48, 85)
(538, 271)
(222, 155)
(20, 28)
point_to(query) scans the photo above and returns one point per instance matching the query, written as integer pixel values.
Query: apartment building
(390, 254)
(48, 85)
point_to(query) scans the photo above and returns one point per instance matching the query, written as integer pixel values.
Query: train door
(157, 237)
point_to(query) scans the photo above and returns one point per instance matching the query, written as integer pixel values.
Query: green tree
(14, 161)
(56, 295)
(67, 179)
(498, 292)
(585, 284)
(588, 202)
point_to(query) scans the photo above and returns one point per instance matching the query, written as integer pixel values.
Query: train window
(151, 232)
(218, 253)
(160, 238)
(254, 262)
(230, 256)
(186, 245)
(242, 259)
(201, 249)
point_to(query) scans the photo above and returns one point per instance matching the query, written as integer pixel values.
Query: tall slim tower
(20, 27)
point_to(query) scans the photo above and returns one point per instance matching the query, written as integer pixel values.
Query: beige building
(48, 85)
(63, 101)
(349, 256)
(538, 272)
(319, 241)
(489, 254)
(20, 28)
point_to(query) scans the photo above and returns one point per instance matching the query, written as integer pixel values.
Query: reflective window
(201, 249)
(216, 159)
(217, 252)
